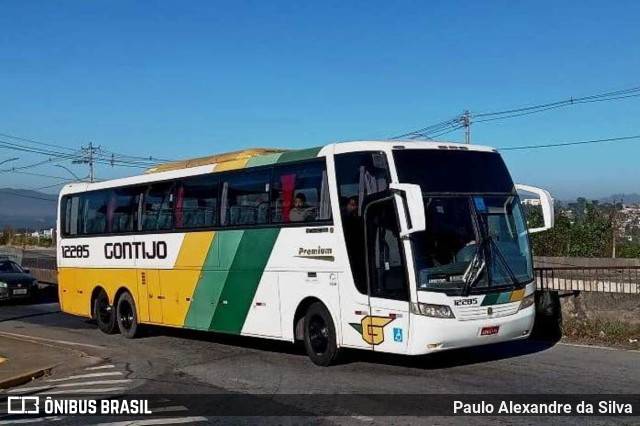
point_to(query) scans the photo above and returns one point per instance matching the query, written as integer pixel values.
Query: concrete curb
(23, 378)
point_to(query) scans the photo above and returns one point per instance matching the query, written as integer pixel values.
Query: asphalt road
(168, 361)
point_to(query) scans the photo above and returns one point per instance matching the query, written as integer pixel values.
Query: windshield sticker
(372, 329)
(480, 206)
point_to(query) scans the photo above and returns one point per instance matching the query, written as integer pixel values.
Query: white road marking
(169, 409)
(31, 389)
(605, 348)
(94, 391)
(150, 422)
(95, 382)
(100, 367)
(363, 418)
(86, 376)
(63, 342)
(25, 421)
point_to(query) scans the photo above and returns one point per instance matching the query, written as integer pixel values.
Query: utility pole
(89, 157)
(615, 226)
(466, 122)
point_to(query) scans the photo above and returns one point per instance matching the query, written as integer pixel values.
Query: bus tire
(127, 316)
(105, 313)
(320, 339)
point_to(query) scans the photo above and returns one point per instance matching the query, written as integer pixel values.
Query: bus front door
(388, 324)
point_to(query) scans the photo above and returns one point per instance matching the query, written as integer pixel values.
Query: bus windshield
(476, 237)
(472, 242)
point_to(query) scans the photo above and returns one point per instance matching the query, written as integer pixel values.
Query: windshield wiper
(482, 260)
(479, 261)
(502, 259)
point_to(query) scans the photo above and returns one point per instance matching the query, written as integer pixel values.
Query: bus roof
(261, 156)
(246, 154)
(215, 159)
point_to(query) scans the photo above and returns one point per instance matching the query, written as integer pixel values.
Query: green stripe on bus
(490, 299)
(263, 160)
(244, 277)
(215, 272)
(504, 298)
(303, 154)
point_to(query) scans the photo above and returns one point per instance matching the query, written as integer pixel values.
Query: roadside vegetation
(20, 238)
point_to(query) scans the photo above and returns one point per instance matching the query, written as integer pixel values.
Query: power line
(114, 158)
(554, 145)
(467, 119)
(452, 122)
(7, 191)
(36, 142)
(113, 161)
(546, 108)
(37, 174)
(600, 97)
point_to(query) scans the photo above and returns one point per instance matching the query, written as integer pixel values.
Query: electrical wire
(560, 144)
(454, 122)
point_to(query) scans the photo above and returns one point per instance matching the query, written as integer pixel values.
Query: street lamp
(73, 174)
(10, 159)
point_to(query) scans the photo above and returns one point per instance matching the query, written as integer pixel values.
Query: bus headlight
(3, 284)
(528, 301)
(429, 310)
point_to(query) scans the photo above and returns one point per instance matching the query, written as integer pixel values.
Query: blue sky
(192, 78)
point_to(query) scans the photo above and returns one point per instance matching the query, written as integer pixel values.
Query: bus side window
(245, 198)
(157, 207)
(125, 210)
(300, 193)
(197, 203)
(95, 212)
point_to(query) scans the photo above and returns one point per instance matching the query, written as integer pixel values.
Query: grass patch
(597, 330)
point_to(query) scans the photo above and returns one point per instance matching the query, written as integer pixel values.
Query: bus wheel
(320, 335)
(127, 316)
(105, 314)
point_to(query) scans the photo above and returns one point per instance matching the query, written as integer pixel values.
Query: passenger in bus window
(301, 212)
(351, 207)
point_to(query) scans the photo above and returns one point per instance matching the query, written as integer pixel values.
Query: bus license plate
(20, 291)
(489, 331)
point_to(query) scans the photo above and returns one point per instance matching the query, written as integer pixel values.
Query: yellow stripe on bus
(231, 165)
(179, 283)
(517, 295)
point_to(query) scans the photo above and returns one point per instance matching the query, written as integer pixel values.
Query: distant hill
(626, 198)
(20, 208)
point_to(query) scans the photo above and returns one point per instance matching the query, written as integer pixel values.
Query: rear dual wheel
(121, 316)
(105, 313)
(127, 316)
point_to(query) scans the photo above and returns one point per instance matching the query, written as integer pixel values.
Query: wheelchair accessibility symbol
(397, 334)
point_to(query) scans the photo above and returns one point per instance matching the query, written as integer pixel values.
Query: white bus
(400, 247)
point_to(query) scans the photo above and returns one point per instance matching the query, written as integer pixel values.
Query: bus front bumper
(436, 334)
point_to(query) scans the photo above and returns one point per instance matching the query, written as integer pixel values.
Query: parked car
(15, 281)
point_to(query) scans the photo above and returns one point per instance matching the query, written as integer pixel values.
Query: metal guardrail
(619, 279)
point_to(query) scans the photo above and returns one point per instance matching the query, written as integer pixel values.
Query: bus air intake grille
(468, 313)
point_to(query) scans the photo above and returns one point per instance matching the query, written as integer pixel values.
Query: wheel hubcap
(318, 334)
(104, 311)
(126, 315)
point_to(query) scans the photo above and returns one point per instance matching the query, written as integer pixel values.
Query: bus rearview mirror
(546, 202)
(414, 218)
